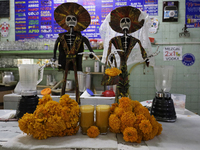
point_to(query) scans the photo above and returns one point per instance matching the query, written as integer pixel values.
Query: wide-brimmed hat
(126, 11)
(65, 9)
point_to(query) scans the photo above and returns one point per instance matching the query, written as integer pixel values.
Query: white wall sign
(172, 53)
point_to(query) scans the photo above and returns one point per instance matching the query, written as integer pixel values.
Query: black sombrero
(65, 9)
(126, 11)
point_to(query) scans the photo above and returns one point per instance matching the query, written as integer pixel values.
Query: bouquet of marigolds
(52, 118)
(113, 71)
(133, 120)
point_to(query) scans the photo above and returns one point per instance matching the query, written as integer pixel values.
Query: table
(184, 134)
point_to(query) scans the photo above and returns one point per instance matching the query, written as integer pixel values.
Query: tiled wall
(186, 80)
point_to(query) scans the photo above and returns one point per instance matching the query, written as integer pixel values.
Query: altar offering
(87, 117)
(51, 118)
(102, 117)
(133, 120)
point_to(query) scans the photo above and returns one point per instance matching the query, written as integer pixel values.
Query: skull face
(71, 21)
(125, 23)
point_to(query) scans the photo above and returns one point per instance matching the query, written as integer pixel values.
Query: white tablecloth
(184, 134)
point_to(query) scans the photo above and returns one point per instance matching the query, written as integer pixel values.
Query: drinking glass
(102, 118)
(86, 118)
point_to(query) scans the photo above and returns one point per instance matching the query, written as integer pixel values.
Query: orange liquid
(102, 117)
(87, 117)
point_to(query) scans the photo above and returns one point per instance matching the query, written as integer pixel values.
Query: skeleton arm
(109, 55)
(55, 49)
(152, 55)
(86, 41)
(144, 54)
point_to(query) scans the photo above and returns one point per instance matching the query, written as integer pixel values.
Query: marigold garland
(93, 132)
(113, 71)
(51, 118)
(136, 123)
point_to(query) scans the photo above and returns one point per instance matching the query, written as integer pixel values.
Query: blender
(27, 88)
(162, 105)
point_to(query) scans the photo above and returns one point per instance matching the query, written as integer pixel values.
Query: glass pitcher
(163, 78)
(28, 77)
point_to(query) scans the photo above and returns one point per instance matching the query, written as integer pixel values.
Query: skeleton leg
(76, 82)
(65, 78)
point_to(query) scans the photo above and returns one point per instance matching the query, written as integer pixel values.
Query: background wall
(11, 21)
(186, 80)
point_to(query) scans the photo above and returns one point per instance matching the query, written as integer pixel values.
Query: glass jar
(93, 43)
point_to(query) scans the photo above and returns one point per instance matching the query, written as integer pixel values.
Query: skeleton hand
(90, 53)
(150, 56)
(52, 63)
(91, 56)
(53, 59)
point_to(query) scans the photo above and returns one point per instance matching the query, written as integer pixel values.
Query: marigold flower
(40, 134)
(53, 107)
(130, 134)
(139, 118)
(112, 108)
(52, 118)
(114, 123)
(55, 122)
(146, 137)
(140, 135)
(41, 112)
(135, 104)
(71, 131)
(113, 72)
(142, 110)
(155, 126)
(125, 103)
(133, 114)
(26, 123)
(127, 120)
(44, 99)
(93, 132)
(145, 126)
(119, 111)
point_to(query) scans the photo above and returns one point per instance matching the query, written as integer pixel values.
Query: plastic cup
(179, 103)
(102, 117)
(87, 117)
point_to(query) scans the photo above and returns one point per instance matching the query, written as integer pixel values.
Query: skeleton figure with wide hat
(124, 20)
(73, 18)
